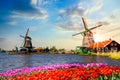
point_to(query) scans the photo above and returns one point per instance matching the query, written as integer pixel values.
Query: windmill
(87, 35)
(27, 42)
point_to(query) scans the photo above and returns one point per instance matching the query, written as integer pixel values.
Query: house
(105, 46)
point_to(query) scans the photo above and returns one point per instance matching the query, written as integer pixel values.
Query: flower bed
(92, 71)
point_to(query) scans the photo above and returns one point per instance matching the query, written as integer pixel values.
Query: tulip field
(91, 71)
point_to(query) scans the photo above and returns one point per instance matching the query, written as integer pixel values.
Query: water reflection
(8, 62)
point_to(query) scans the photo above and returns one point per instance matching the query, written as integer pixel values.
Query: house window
(106, 49)
(114, 49)
(111, 44)
(115, 44)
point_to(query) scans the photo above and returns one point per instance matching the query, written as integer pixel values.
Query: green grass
(113, 55)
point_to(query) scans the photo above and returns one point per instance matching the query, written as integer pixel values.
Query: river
(9, 62)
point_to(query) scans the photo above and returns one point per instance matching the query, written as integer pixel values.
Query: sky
(53, 22)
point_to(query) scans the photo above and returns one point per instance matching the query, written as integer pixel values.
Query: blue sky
(52, 22)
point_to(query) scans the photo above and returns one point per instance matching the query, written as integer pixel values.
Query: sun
(98, 38)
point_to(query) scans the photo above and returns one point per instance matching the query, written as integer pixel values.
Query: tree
(53, 49)
(46, 49)
(62, 50)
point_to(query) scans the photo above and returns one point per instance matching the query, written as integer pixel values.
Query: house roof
(100, 44)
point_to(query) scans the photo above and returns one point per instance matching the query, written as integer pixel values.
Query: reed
(115, 55)
(112, 55)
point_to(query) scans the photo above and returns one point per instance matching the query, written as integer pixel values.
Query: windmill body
(87, 39)
(27, 42)
(87, 34)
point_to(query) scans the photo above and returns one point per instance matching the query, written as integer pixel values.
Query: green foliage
(112, 77)
(46, 50)
(53, 49)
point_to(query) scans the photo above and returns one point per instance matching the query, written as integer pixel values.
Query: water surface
(9, 62)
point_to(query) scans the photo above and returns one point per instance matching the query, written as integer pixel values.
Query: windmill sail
(78, 33)
(27, 32)
(85, 24)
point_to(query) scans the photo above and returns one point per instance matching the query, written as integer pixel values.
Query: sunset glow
(98, 38)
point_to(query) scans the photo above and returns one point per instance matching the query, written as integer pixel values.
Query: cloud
(34, 28)
(34, 2)
(43, 2)
(12, 23)
(81, 10)
(20, 8)
(28, 11)
(69, 26)
(24, 6)
(96, 5)
(103, 23)
(41, 14)
(72, 12)
(116, 15)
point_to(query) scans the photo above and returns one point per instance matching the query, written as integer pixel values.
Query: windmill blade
(27, 32)
(22, 36)
(78, 33)
(95, 27)
(85, 23)
(81, 32)
(81, 38)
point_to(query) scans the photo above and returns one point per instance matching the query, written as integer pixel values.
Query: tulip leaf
(105, 78)
(100, 78)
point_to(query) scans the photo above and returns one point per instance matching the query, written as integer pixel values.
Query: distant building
(39, 50)
(105, 46)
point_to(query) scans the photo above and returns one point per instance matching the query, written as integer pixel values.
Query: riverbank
(112, 55)
(115, 55)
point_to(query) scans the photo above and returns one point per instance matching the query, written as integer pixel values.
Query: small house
(105, 46)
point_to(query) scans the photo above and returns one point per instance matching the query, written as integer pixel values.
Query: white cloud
(34, 2)
(13, 23)
(34, 28)
(34, 13)
(81, 9)
(69, 26)
(72, 12)
(97, 5)
(42, 2)
(41, 15)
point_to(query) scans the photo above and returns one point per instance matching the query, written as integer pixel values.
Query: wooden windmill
(27, 42)
(87, 34)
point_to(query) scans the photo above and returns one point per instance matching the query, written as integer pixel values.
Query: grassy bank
(113, 55)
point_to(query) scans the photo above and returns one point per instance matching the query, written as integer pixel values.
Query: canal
(9, 62)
